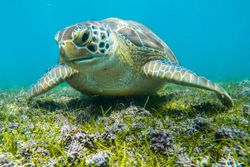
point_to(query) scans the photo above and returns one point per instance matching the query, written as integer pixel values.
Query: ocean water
(181, 127)
(210, 37)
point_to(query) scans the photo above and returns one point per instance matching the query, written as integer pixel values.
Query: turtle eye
(82, 38)
(85, 37)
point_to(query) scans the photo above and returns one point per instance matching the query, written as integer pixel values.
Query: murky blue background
(210, 37)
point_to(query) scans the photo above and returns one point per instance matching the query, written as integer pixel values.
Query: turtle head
(85, 46)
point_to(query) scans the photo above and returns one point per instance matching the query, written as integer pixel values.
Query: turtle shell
(141, 36)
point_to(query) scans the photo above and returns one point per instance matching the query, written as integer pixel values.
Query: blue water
(210, 37)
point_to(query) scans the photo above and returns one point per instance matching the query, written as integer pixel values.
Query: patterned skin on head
(84, 40)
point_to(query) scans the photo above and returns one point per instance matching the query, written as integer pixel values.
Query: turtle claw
(225, 99)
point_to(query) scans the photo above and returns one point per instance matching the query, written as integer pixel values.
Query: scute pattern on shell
(141, 36)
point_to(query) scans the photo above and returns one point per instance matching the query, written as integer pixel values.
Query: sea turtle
(118, 57)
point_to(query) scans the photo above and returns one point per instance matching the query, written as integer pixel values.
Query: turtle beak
(70, 53)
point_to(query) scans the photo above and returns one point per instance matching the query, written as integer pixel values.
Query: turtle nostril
(61, 44)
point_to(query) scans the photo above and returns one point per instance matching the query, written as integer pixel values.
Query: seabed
(179, 126)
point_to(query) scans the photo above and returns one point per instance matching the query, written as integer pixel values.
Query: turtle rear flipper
(176, 74)
(52, 78)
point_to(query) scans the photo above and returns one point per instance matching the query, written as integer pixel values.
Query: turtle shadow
(104, 102)
(96, 105)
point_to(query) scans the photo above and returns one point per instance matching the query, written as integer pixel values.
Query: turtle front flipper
(176, 74)
(52, 78)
